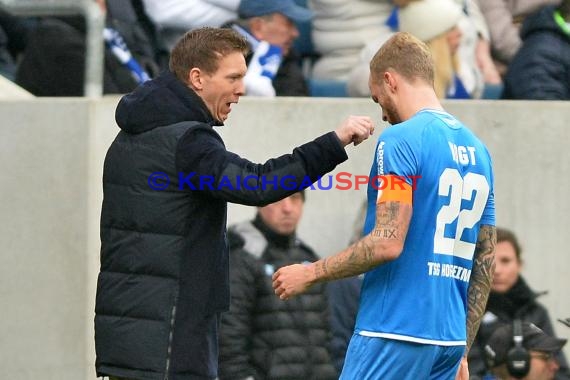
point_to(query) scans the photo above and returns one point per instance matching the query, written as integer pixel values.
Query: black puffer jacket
(519, 302)
(164, 259)
(541, 68)
(263, 337)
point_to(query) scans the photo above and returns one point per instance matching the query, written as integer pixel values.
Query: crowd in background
(482, 48)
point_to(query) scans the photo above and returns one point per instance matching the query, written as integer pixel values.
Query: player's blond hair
(406, 55)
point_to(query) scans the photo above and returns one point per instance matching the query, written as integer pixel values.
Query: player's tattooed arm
(480, 283)
(383, 244)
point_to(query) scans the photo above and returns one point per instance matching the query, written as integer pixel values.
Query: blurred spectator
(13, 37)
(262, 337)
(344, 300)
(436, 23)
(53, 63)
(510, 298)
(173, 18)
(341, 29)
(536, 353)
(155, 40)
(504, 18)
(273, 67)
(476, 67)
(7, 64)
(541, 68)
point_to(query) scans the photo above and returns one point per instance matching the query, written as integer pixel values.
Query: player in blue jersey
(429, 241)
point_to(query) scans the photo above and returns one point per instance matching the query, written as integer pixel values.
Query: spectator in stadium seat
(273, 67)
(504, 19)
(536, 355)
(541, 68)
(435, 22)
(262, 337)
(340, 31)
(53, 62)
(173, 18)
(510, 298)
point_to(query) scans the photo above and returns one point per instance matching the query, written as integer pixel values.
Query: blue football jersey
(422, 295)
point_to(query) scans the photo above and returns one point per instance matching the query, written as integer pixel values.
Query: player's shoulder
(440, 121)
(422, 120)
(401, 130)
(406, 131)
(430, 118)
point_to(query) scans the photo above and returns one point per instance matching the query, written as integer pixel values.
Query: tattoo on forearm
(321, 270)
(481, 277)
(392, 220)
(356, 259)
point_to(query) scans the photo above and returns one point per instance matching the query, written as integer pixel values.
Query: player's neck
(419, 98)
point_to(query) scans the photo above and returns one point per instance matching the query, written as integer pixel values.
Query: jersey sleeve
(398, 154)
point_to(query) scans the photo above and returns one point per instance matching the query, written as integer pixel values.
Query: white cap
(427, 19)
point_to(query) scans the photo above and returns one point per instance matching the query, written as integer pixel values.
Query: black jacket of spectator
(53, 63)
(344, 299)
(263, 336)
(541, 68)
(16, 29)
(289, 80)
(164, 258)
(7, 64)
(520, 302)
(13, 37)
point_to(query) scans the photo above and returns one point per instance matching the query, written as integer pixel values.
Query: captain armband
(394, 188)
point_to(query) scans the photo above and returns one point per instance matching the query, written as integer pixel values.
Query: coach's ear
(195, 79)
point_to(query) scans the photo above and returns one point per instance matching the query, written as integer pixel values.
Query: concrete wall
(51, 154)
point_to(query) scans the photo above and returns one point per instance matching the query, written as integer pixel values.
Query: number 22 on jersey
(473, 187)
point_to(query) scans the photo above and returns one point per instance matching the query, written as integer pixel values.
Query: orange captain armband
(394, 188)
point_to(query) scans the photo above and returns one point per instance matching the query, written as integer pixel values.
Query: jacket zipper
(170, 338)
